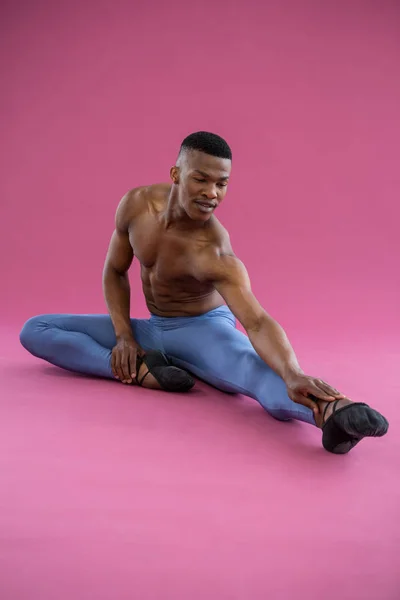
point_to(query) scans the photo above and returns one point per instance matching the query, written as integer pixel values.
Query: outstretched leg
(212, 348)
(215, 351)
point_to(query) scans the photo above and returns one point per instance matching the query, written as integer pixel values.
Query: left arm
(268, 338)
(266, 335)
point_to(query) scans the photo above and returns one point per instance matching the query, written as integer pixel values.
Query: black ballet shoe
(170, 378)
(349, 425)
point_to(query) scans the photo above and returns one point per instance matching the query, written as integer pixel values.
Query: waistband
(172, 322)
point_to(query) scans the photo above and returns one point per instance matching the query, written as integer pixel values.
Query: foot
(156, 367)
(149, 381)
(326, 410)
(345, 423)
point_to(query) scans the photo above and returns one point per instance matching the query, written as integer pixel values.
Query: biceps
(120, 254)
(243, 304)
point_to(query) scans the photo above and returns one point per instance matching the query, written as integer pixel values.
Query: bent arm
(116, 287)
(268, 338)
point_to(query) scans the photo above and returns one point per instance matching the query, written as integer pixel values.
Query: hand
(301, 388)
(123, 359)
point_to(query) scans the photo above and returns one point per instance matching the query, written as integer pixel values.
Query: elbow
(254, 324)
(260, 321)
(112, 278)
(108, 271)
(111, 271)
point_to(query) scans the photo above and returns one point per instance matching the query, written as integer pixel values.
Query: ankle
(149, 380)
(325, 409)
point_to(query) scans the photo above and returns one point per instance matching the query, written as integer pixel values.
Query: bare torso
(173, 258)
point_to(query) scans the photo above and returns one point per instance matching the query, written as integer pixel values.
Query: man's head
(201, 174)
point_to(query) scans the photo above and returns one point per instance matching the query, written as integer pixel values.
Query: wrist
(124, 335)
(291, 372)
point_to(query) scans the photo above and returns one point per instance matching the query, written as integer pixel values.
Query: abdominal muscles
(178, 296)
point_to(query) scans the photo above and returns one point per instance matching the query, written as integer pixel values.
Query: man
(194, 287)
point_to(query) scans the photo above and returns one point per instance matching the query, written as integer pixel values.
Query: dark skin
(188, 268)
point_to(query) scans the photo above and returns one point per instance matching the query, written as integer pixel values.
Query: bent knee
(30, 333)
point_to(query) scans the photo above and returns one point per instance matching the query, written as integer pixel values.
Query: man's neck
(175, 216)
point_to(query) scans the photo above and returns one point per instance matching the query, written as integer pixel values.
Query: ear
(174, 173)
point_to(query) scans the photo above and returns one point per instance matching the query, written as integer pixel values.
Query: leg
(212, 348)
(81, 343)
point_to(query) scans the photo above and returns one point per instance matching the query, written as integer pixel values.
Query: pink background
(96, 99)
(99, 95)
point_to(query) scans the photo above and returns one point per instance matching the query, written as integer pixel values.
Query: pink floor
(112, 493)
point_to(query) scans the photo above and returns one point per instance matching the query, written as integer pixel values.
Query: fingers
(328, 389)
(305, 401)
(117, 366)
(120, 367)
(314, 390)
(123, 362)
(125, 367)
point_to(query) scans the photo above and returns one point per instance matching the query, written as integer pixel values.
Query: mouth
(205, 206)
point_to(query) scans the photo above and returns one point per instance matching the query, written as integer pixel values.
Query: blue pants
(209, 346)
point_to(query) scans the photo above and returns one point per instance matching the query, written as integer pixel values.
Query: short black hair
(209, 143)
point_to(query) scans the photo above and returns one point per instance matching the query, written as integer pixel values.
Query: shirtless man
(195, 289)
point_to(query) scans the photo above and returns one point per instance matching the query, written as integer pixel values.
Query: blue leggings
(209, 346)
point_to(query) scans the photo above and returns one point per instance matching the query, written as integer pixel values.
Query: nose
(210, 193)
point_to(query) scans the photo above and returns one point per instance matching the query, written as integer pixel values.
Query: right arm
(116, 289)
(116, 286)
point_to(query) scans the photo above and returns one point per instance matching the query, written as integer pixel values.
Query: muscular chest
(167, 255)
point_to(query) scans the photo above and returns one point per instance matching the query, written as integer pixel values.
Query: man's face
(202, 181)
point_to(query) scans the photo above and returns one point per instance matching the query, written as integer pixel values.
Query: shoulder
(138, 201)
(219, 259)
(218, 238)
